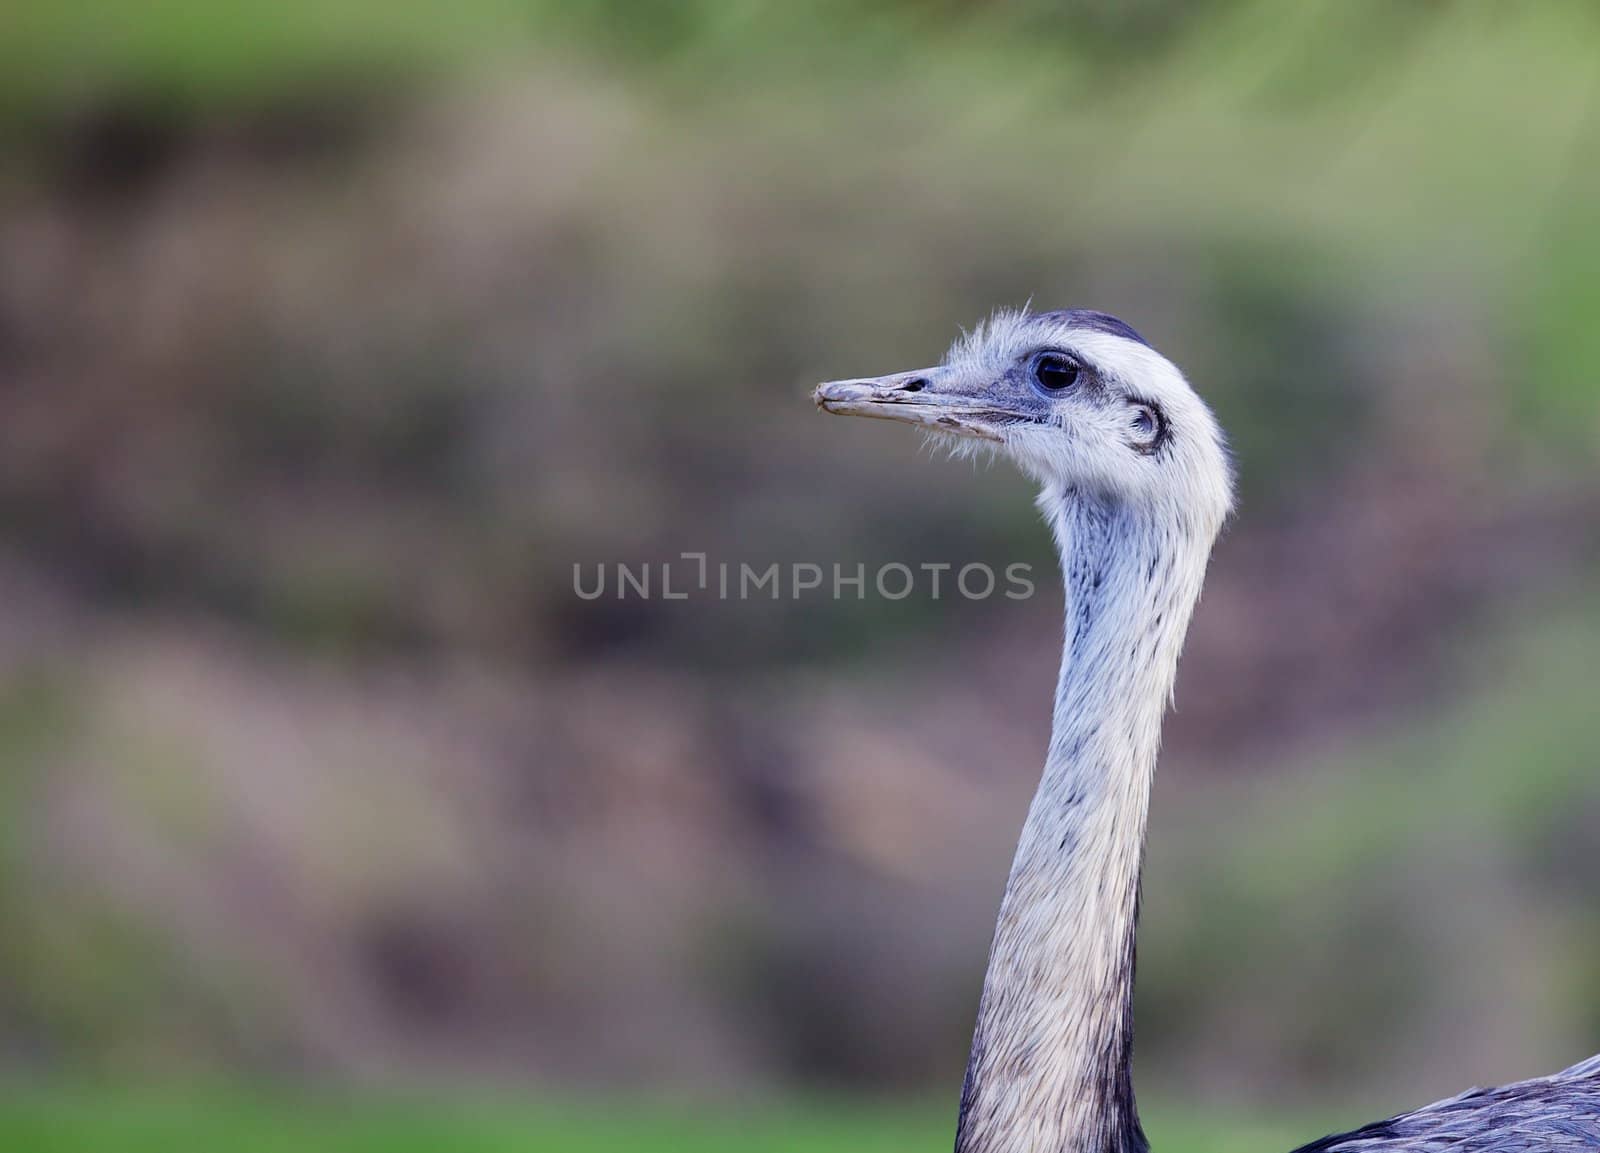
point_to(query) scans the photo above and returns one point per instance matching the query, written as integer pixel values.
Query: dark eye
(1055, 373)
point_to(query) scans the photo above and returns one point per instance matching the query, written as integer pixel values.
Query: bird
(1136, 483)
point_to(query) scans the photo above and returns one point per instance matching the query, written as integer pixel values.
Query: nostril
(915, 385)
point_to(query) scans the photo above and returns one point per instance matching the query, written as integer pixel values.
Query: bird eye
(1055, 373)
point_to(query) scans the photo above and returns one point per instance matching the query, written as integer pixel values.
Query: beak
(928, 398)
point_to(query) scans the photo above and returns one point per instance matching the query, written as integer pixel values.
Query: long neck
(1050, 1064)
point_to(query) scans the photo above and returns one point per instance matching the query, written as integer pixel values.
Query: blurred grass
(1318, 875)
(123, 1121)
(1370, 125)
(191, 53)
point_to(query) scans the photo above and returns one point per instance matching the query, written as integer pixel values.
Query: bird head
(1077, 399)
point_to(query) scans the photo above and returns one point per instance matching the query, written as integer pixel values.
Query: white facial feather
(1189, 479)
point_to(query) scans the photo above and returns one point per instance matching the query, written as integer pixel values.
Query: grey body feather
(1136, 486)
(1555, 1113)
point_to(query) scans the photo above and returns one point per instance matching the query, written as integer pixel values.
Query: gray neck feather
(1050, 1064)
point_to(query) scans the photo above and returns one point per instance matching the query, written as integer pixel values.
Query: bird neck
(1051, 1054)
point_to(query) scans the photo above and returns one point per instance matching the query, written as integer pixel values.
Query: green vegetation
(1366, 129)
(1260, 889)
(167, 1122)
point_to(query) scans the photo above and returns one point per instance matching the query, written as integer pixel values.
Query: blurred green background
(332, 335)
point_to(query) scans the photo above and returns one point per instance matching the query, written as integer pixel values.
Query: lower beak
(921, 398)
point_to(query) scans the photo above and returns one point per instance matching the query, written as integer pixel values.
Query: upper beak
(925, 398)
